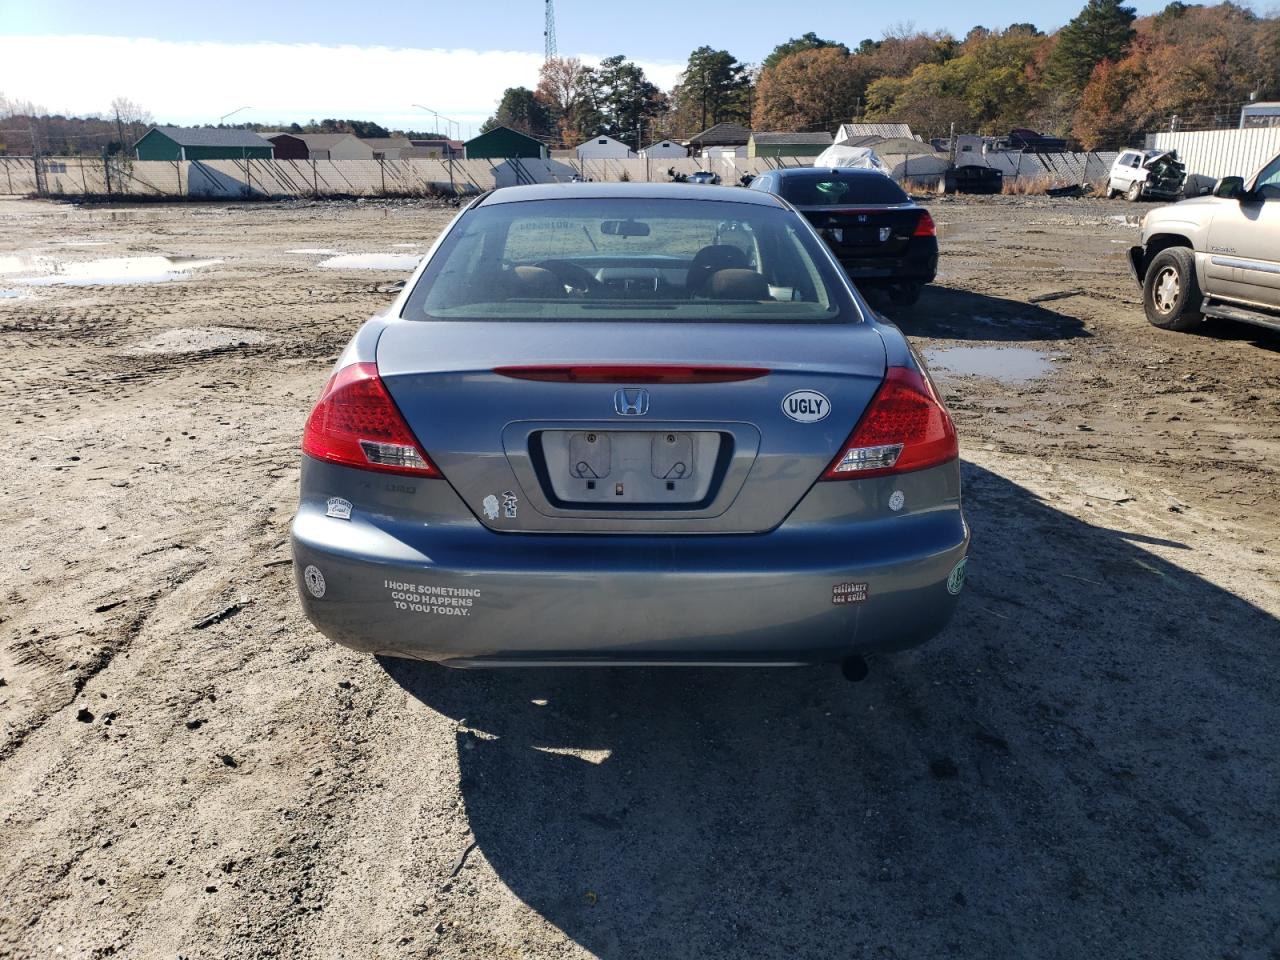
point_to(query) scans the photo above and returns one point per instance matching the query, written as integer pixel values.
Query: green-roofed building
(503, 143)
(202, 143)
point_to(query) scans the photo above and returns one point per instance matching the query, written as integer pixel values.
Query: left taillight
(357, 424)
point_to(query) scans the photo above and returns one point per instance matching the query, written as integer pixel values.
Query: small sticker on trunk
(509, 504)
(339, 508)
(490, 505)
(849, 593)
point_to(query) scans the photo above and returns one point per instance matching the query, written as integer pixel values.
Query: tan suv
(1216, 256)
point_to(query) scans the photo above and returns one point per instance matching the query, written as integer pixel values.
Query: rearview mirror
(1230, 188)
(624, 228)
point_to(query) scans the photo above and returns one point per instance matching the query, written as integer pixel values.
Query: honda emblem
(631, 402)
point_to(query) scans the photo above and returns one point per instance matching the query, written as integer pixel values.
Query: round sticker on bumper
(955, 582)
(314, 580)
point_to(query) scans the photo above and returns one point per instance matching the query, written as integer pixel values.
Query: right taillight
(905, 428)
(357, 424)
(925, 226)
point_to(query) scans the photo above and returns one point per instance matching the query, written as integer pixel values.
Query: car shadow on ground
(1263, 338)
(954, 314)
(1083, 764)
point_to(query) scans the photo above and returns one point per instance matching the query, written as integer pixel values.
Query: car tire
(1171, 293)
(1134, 193)
(1112, 192)
(905, 294)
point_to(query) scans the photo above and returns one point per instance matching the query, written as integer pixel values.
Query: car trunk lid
(859, 232)
(623, 453)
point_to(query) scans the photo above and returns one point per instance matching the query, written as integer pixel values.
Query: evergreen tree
(627, 101)
(714, 88)
(520, 110)
(1101, 31)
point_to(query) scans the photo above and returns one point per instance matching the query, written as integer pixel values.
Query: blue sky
(192, 63)
(664, 30)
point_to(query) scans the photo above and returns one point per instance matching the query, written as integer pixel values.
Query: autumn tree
(567, 89)
(812, 89)
(989, 87)
(807, 41)
(1191, 62)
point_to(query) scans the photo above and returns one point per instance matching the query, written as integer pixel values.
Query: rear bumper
(471, 597)
(917, 264)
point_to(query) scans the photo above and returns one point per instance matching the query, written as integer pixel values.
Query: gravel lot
(1084, 765)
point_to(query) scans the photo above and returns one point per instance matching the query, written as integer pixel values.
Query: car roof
(828, 171)
(630, 191)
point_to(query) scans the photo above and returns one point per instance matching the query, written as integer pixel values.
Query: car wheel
(1134, 193)
(1171, 294)
(1112, 193)
(905, 293)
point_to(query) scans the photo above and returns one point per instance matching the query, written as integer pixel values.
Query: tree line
(1101, 79)
(1104, 78)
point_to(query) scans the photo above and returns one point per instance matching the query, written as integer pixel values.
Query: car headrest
(735, 284)
(537, 282)
(708, 260)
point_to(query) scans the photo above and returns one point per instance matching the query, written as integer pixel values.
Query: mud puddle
(48, 271)
(372, 261)
(1006, 364)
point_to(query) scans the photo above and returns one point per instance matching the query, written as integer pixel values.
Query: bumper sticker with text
(849, 593)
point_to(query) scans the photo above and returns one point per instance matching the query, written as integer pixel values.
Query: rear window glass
(833, 189)
(631, 258)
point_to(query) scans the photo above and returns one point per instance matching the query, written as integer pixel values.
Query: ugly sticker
(314, 580)
(955, 581)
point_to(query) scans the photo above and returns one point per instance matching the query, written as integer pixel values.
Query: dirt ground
(1084, 765)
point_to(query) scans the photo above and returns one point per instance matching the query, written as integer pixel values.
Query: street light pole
(438, 118)
(231, 114)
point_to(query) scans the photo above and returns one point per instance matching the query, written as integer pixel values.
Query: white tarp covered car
(863, 158)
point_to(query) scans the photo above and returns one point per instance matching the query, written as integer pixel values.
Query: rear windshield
(631, 258)
(818, 189)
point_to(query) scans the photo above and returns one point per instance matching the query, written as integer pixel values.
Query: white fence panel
(1221, 153)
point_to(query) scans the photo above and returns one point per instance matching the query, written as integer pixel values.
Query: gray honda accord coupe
(629, 424)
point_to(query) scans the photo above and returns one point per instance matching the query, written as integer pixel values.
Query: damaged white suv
(1139, 174)
(1216, 256)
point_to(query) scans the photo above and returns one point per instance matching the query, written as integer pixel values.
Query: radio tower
(549, 32)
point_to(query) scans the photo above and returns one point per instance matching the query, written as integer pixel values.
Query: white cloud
(196, 82)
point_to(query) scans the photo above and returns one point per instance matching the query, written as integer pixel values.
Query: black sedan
(879, 234)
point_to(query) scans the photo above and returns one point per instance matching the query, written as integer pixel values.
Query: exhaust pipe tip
(854, 668)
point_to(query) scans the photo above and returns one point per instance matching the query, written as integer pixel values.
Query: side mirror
(1230, 188)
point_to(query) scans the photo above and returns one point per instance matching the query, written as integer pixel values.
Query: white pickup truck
(1215, 256)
